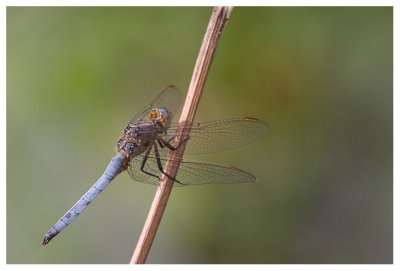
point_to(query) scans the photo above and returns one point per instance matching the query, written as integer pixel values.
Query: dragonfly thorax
(137, 137)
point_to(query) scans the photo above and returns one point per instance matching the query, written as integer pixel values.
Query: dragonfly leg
(146, 156)
(164, 143)
(160, 165)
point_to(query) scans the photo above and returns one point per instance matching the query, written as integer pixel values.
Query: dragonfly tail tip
(46, 239)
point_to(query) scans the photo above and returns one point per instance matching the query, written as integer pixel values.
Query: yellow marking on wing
(237, 169)
(250, 119)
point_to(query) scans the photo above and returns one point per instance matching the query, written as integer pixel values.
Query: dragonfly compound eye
(160, 115)
(153, 115)
(165, 117)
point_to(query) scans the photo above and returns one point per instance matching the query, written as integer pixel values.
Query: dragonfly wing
(168, 98)
(215, 136)
(135, 172)
(190, 172)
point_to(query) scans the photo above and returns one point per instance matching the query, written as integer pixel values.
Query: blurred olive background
(320, 77)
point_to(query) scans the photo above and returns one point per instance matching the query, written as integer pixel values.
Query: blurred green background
(321, 77)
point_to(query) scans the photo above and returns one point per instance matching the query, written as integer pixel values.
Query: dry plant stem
(219, 18)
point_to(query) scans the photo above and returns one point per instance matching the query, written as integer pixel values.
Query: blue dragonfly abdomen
(113, 169)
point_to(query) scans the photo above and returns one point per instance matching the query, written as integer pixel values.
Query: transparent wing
(168, 98)
(215, 136)
(189, 173)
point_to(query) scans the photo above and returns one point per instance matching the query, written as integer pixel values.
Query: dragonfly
(142, 151)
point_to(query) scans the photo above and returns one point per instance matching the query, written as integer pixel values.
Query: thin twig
(219, 18)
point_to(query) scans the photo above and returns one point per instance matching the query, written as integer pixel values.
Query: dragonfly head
(160, 116)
